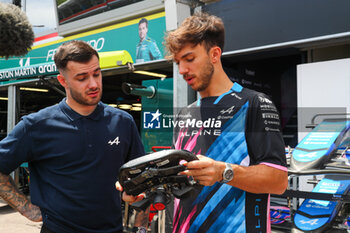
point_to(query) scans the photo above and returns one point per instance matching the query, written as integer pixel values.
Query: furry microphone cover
(16, 33)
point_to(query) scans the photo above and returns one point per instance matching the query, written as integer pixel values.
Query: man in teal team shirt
(146, 49)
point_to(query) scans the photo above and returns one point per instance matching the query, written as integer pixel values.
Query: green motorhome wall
(121, 36)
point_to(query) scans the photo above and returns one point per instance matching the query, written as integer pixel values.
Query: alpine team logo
(228, 111)
(115, 141)
(151, 120)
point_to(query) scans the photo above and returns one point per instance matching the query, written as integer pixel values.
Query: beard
(79, 98)
(205, 75)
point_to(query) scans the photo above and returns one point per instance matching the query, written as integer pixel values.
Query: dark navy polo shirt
(74, 162)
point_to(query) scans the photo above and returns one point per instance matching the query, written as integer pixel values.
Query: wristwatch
(227, 175)
(141, 230)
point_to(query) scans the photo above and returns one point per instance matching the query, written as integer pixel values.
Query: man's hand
(129, 198)
(205, 170)
(141, 218)
(32, 212)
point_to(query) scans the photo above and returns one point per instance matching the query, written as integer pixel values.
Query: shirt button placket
(89, 138)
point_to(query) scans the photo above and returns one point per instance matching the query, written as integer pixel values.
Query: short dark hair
(143, 20)
(75, 50)
(201, 28)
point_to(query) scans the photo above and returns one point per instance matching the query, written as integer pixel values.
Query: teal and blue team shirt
(239, 127)
(147, 50)
(74, 162)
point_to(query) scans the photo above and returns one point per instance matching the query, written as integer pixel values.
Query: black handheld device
(156, 175)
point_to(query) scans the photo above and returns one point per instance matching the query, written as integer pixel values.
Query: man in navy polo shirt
(74, 150)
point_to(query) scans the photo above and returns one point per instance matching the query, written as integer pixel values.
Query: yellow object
(114, 58)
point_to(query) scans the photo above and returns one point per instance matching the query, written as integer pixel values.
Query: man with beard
(235, 133)
(74, 150)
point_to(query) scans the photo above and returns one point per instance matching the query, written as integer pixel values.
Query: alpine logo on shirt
(116, 141)
(228, 111)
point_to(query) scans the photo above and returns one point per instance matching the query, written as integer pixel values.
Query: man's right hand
(32, 212)
(129, 198)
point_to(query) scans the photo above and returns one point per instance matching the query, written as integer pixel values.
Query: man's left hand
(128, 198)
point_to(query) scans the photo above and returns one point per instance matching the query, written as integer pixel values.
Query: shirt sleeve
(14, 149)
(263, 134)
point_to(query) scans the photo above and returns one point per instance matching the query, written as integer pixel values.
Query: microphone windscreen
(16, 33)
